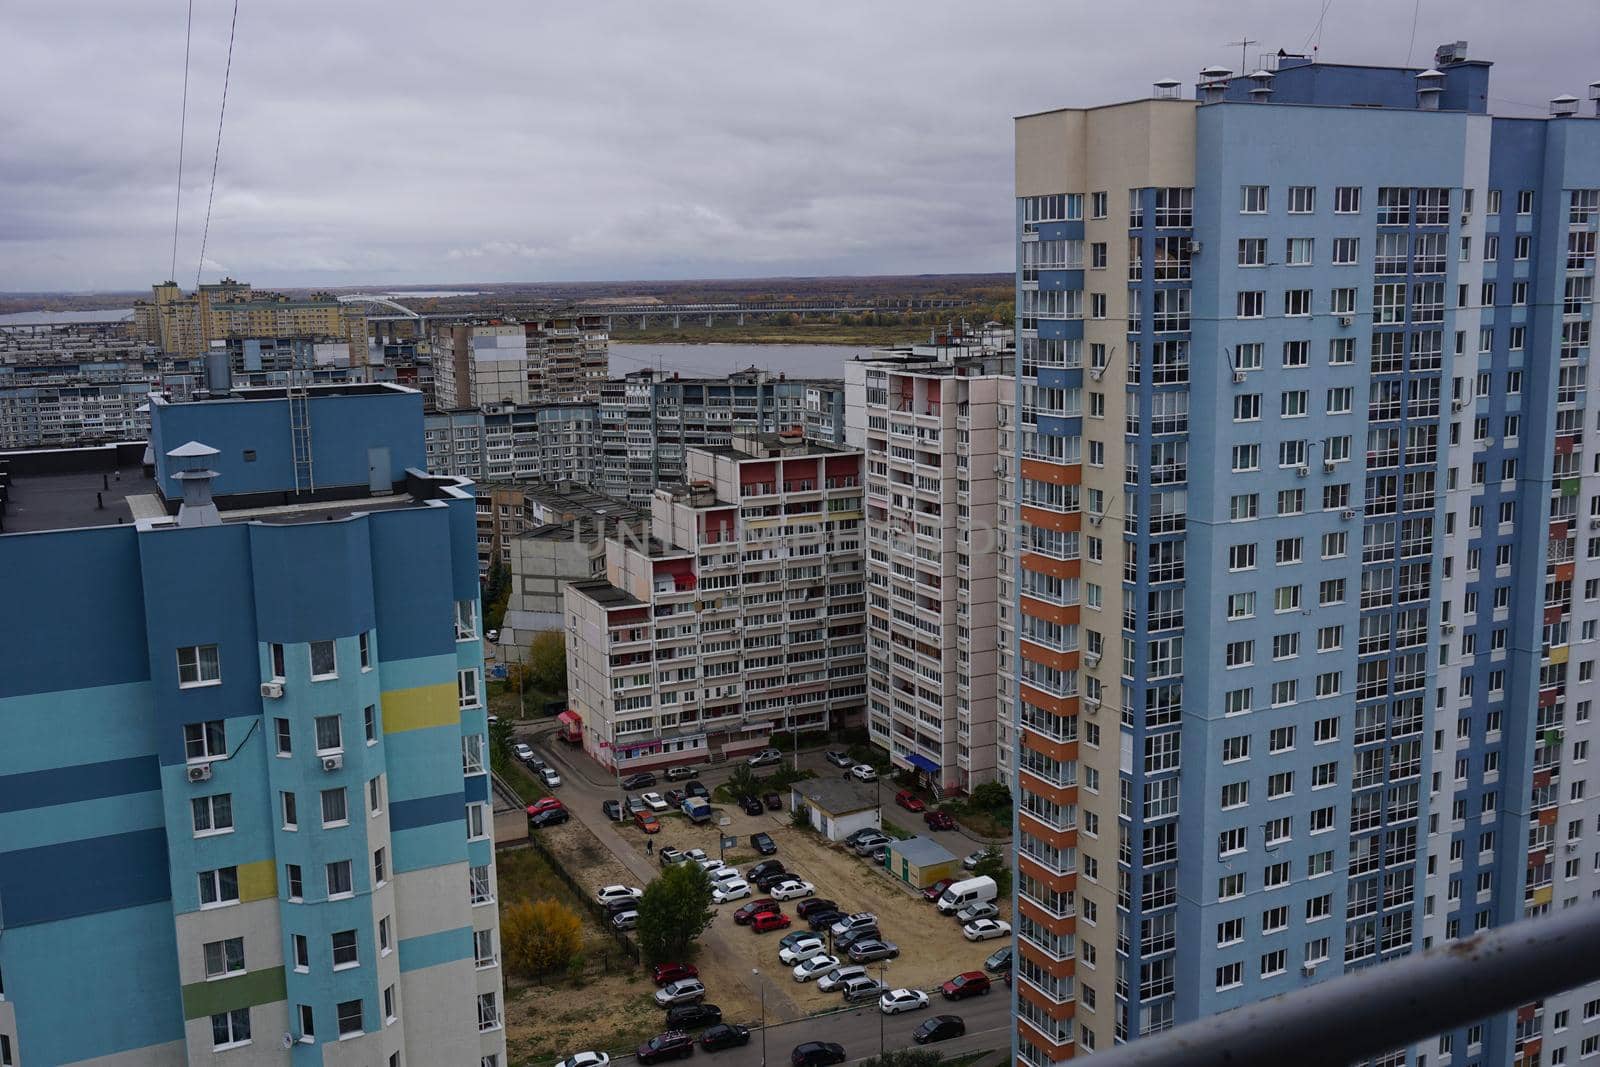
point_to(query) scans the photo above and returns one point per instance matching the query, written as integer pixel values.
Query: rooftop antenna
(1244, 43)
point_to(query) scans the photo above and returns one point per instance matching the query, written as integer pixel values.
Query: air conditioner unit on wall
(271, 690)
(332, 763)
(1238, 377)
(200, 772)
(1347, 320)
(1348, 513)
(1302, 471)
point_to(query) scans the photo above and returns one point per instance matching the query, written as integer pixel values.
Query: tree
(993, 863)
(992, 797)
(547, 661)
(540, 937)
(501, 737)
(743, 780)
(496, 593)
(674, 911)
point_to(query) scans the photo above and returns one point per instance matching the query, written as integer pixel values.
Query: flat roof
(922, 851)
(70, 502)
(838, 796)
(605, 594)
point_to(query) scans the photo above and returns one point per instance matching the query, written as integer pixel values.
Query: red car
(939, 820)
(966, 984)
(544, 804)
(647, 822)
(754, 908)
(769, 920)
(936, 890)
(662, 973)
(910, 801)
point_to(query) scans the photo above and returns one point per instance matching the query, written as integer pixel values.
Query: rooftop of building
(604, 593)
(751, 375)
(73, 500)
(747, 446)
(314, 392)
(838, 796)
(921, 851)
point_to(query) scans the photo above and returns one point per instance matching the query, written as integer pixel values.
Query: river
(62, 318)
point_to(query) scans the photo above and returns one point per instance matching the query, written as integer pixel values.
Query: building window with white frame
(350, 1021)
(467, 687)
(199, 665)
(477, 823)
(339, 881)
(230, 1029)
(330, 737)
(219, 887)
(364, 647)
(212, 815)
(223, 958)
(324, 661)
(205, 741)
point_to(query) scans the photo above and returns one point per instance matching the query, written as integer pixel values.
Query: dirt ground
(545, 1023)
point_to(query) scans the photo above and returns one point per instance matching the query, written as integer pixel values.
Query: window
(369, 723)
(1274, 962)
(483, 948)
(1525, 202)
(375, 795)
(391, 1005)
(1252, 304)
(1235, 795)
(335, 811)
(223, 958)
(294, 882)
(1252, 200)
(380, 866)
(1297, 303)
(302, 952)
(329, 736)
(1346, 199)
(324, 663)
(199, 665)
(476, 823)
(281, 732)
(467, 687)
(478, 882)
(488, 1013)
(339, 884)
(275, 652)
(204, 741)
(1297, 252)
(308, 1024)
(1241, 557)
(350, 1018)
(219, 887)
(212, 814)
(385, 944)
(344, 950)
(364, 645)
(1346, 250)
(1252, 251)
(230, 1029)
(1302, 199)
(1230, 976)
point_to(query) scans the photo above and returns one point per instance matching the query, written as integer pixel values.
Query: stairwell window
(199, 665)
(483, 948)
(230, 1029)
(369, 722)
(275, 652)
(324, 661)
(466, 620)
(476, 823)
(364, 645)
(467, 687)
(296, 889)
(224, 958)
(285, 743)
(219, 887)
(478, 879)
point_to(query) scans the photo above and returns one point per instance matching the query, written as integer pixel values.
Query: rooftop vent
(195, 475)
(1213, 83)
(1166, 89)
(1261, 91)
(1564, 105)
(1450, 52)
(1429, 89)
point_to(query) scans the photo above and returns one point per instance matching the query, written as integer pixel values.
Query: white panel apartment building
(742, 614)
(928, 421)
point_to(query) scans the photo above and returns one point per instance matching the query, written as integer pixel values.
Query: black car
(851, 937)
(763, 844)
(674, 798)
(816, 1054)
(612, 810)
(999, 962)
(548, 817)
(724, 1035)
(939, 1028)
(815, 904)
(672, 1045)
(821, 920)
(773, 801)
(695, 789)
(764, 867)
(639, 781)
(751, 805)
(765, 882)
(693, 1016)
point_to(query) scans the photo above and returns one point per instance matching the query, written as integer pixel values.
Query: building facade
(546, 442)
(742, 614)
(186, 324)
(248, 808)
(544, 358)
(1293, 408)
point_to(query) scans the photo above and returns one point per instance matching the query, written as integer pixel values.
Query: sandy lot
(546, 1023)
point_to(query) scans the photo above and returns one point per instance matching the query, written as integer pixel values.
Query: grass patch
(504, 703)
(511, 770)
(895, 831)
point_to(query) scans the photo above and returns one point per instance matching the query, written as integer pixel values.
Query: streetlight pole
(757, 973)
(883, 982)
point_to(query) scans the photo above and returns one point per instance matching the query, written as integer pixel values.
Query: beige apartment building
(186, 325)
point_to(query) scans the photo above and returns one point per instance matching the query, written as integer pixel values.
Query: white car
(653, 801)
(974, 912)
(683, 991)
(792, 889)
(586, 1059)
(984, 929)
(707, 863)
(765, 757)
(815, 967)
(802, 950)
(972, 858)
(837, 978)
(726, 891)
(864, 772)
(724, 875)
(608, 893)
(522, 751)
(551, 778)
(896, 1001)
(697, 854)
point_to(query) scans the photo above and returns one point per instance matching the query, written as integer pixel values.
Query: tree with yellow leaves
(540, 937)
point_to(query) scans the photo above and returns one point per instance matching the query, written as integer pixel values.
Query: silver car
(834, 980)
(873, 949)
(862, 988)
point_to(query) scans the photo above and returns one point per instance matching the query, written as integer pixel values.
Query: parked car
(647, 822)
(880, 855)
(790, 940)
(724, 1035)
(765, 758)
(639, 780)
(764, 867)
(973, 912)
(936, 890)
(627, 919)
(821, 920)
(522, 751)
(708, 863)
(966, 984)
(669, 855)
(662, 973)
(726, 891)
(770, 879)
(899, 1001)
(620, 905)
(548, 817)
(672, 1045)
(679, 774)
(551, 778)
(607, 893)
(763, 843)
(871, 948)
(864, 772)
(970, 861)
(612, 809)
(805, 948)
(839, 759)
(814, 967)
(695, 789)
(856, 835)
(910, 801)
(693, 1016)
(750, 804)
(544, 804)
(806, 908)
(723, 875)
(862, 988)
(835, 980)
(635, 805)
(939, 820)
(675, 798)
(773, 801)
(792, 889)
(816, 1054)
(536, 764)
(999, 962)
(754, 908)
(695, 854)
(683, 991)
(985, 929)
(871, 842)
(852, 937)
(586, 1059)
(769, 920)
(653, 801)
(939, 1028)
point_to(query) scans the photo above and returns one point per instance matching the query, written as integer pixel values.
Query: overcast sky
(387, 143)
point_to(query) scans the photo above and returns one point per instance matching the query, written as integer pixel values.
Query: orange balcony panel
(1564, 571)
(1536, 859)
(1055, 1052)
(1040, 609)
(1052, 520)
(1552, 615)
(1541, 779)
(1549, 698)
(1056, 838)
(1058, 1012)
(1061, 750)
(1532, 1047)
(1053, 704)
(1053, 473)
(1056, 568)
(1547, 817)
(1050, 922)
(1061, 794)
(1060, 883)
(1066, 661)
(1560, 530)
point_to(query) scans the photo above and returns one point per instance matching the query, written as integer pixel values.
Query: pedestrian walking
(649, 846)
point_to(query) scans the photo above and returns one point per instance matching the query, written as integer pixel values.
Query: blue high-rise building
(1302, 388)
(244, 803)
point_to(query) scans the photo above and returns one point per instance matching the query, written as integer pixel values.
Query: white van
(978, 890)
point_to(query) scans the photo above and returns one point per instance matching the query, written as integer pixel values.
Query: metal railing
(1365, 1014)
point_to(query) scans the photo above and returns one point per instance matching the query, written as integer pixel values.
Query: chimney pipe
(195, 476)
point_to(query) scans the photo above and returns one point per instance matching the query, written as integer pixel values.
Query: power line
(183, 123)
(1410, 48)
(222, 113)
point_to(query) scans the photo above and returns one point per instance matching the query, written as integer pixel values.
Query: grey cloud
(387, 142)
